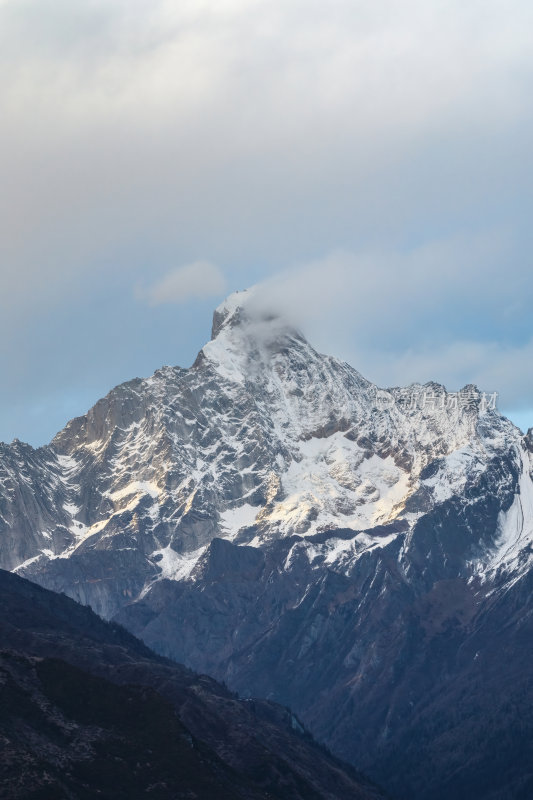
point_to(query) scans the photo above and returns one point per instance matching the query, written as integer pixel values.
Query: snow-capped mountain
(273, 518)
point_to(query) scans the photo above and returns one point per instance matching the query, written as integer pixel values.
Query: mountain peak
(247, 309)
(247, 330)
(230, 311)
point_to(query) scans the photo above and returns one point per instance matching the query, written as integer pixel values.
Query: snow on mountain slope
(512, 550)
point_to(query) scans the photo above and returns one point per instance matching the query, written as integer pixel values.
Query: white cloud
(447, 311)
(192, 281)
(380, 292)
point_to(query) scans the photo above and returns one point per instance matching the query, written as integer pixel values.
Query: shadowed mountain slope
(88, 711)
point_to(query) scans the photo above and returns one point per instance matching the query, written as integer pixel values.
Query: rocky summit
(271, 517)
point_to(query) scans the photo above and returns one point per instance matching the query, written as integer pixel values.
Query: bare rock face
(271, 517)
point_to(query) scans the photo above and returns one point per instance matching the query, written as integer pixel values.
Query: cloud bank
(272, 131)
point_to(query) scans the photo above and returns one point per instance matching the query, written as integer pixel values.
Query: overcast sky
(369, 161)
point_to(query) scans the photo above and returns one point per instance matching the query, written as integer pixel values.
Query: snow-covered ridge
(512, 550)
